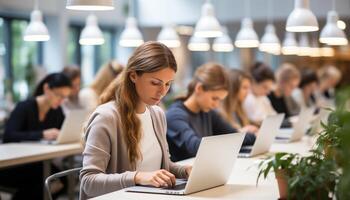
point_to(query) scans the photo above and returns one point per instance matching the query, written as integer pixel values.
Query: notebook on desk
(206, 172)
(72, 127)
(266, 135)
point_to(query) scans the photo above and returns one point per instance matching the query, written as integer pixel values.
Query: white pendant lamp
(290, 45)
(208, 26)
(198, 44)
(131, 36)
(304, 45)
(223, 43)
(36, 30)
(247, 37)
(331, 34)
(301, 19)
(341, 24)
(91, 34)
(90, 5)
(168, 36)
(270, 42)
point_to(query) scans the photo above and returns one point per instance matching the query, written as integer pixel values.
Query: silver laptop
(299, 127)
(212, 166)
(72, 127)
(266, 135)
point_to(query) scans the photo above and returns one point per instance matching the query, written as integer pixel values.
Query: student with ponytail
(125, 142)
(194, 116)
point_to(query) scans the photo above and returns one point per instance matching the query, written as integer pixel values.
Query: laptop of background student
(266, 135)
(72, 127)
(299, 127)
(212, 166)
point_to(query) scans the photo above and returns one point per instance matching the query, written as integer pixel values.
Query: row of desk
(241, 184)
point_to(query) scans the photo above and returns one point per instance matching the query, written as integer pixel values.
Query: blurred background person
(231, 109)
(194, 116)
(256, 105)
(89, 96)
(72, 102)
(304, 94)
(39, 117)
(287, 79)
(329, 77)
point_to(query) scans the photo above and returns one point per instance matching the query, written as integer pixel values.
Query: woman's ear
(45, 88)
(133, 76)
(198, 88)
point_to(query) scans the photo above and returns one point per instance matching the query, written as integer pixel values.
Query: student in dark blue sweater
(37, 118)
(194, 116)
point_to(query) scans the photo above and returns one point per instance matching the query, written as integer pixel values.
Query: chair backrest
(58, 175)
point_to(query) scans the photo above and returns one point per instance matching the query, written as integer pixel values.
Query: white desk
(12, 154)
(241, 184)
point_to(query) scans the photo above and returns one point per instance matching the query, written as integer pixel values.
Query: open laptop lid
(302, 124)
(72, 128)
(267, 133)
(214, 161)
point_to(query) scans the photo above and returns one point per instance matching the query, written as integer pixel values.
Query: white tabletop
(20, 153)
(241, 184)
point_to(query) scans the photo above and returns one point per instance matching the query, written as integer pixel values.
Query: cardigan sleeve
(94, 179)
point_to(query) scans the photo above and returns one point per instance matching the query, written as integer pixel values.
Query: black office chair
(58, 175)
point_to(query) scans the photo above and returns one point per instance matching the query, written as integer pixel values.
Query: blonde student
(125, 136)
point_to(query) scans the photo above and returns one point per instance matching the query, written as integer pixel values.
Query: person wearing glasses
(39, 117)
(36, 118)
(125, 138)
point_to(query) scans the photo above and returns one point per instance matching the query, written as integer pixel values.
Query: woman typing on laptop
(194, 116)
(40, 117)
(125, 136)
(37, 118)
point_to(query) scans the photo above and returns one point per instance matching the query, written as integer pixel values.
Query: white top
(88, 99)
(257, 108)
(149, 145)
(299, 98)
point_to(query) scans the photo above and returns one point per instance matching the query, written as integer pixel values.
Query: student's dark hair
(261, 72)
(71, 71)
(54, 80)
(307, 76)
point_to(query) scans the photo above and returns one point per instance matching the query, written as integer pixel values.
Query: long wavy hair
(231, 103)
(211, 75)
(147, 58)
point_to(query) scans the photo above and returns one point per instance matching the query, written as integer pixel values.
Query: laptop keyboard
(180, 186)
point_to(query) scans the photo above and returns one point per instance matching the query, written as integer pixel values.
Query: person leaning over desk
(125, 136)
(194, 116)
(37, 118)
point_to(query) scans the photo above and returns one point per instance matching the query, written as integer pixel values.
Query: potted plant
(299, 177)
(282, 164)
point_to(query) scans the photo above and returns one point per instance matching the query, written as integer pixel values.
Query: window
(89, 58)
(24, 56)
(17, 60)
(2, 62)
